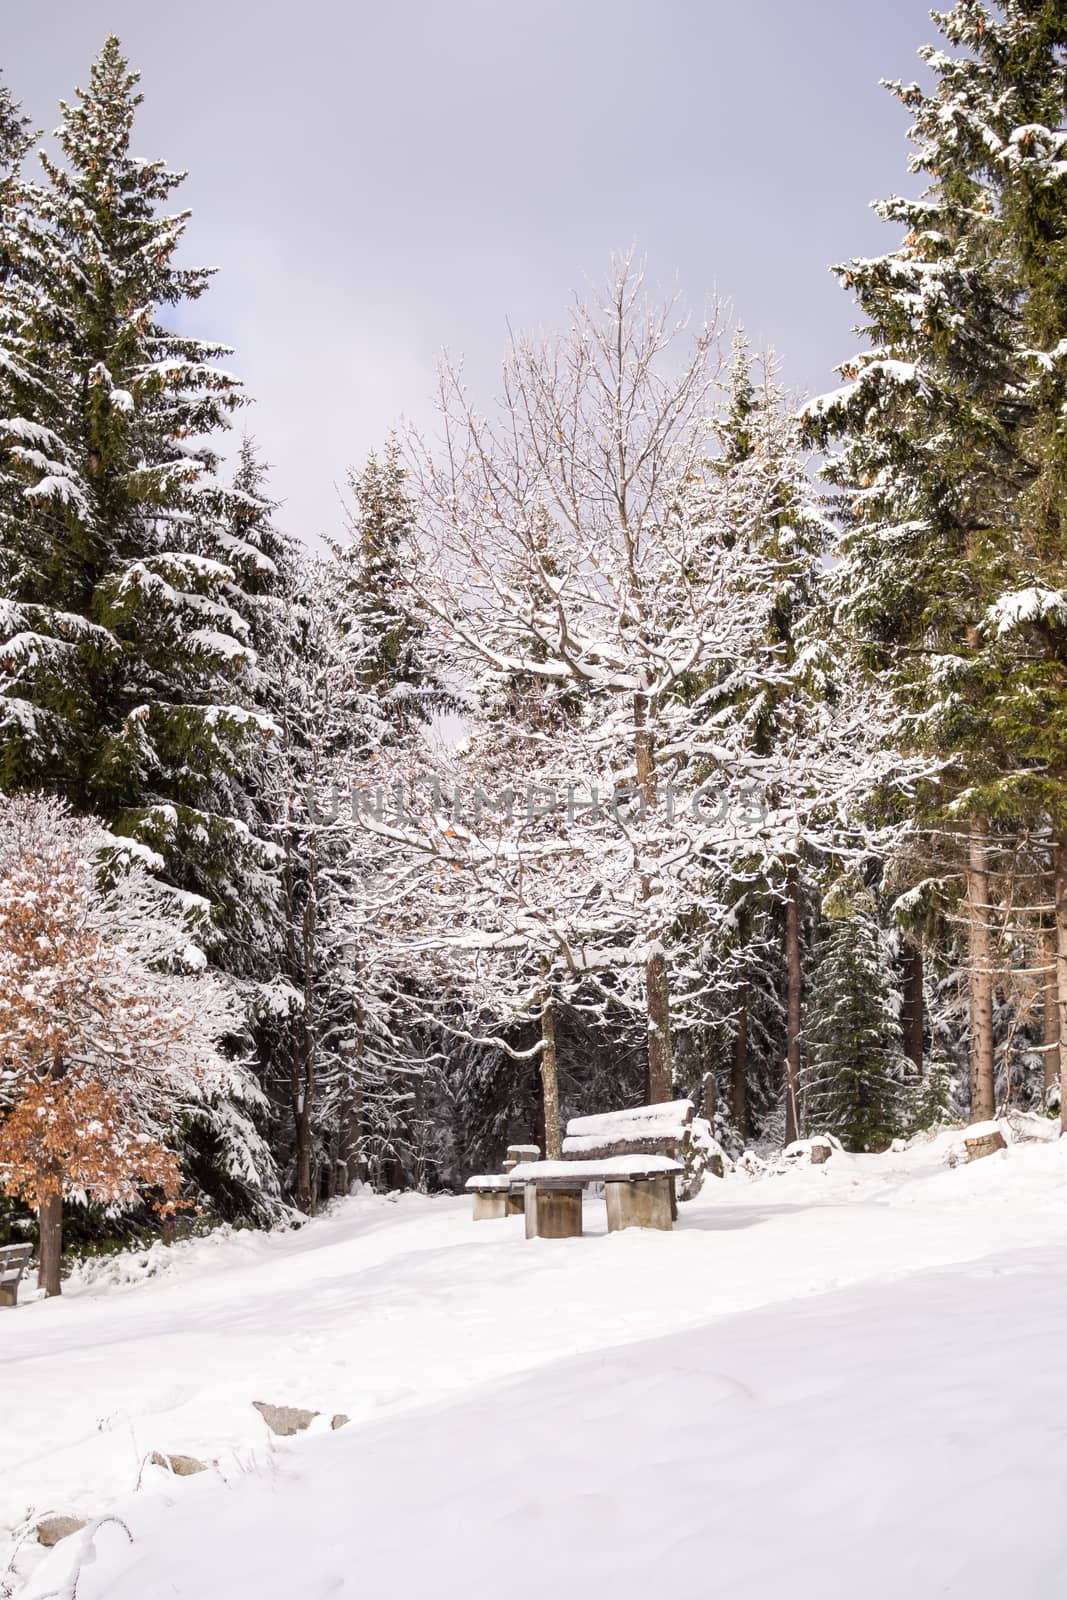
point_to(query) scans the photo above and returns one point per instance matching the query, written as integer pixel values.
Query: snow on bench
(669, 1113)
(664, 1128)
(14, 1259)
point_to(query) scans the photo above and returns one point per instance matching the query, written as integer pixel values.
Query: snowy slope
(814, 1382)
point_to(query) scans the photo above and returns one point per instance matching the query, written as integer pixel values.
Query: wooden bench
(664, 1130)
(14, 1259)
(637, 1156)
(637, 1190)
(495, 1195)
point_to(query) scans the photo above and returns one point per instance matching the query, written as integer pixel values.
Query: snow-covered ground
(837, 1381)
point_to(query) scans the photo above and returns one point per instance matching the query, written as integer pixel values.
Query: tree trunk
(983, 1081)
(352, 1165)
(302, 1184)
(739, 1068)
(913, 1017)
(660, 1083)
(794, 979)
(1050, 1020)
(660, 1070)
(1060, 870)
(304, 1084)
(549, 1077)
(50, 1244)
(709, 1096)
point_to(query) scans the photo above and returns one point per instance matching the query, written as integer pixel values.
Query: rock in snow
(285, 1420)
(181, 1466)
(51, 1529)
(985, 1143)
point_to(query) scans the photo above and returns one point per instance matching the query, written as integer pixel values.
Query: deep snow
(833, 1381)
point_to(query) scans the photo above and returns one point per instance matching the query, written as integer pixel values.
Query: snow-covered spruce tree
(14, 144)
(128, 673)
(853, 1083)
(109, 1031)
(276, 595)
(784, 719)
(742, 1014)
(951, 431)
(361, 691)
(306, 1012)
(268, 573)
(772, 712)
(388, 685)
(25, 397)
(16, 141)
(371, 570)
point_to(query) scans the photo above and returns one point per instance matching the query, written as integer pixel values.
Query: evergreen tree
(16, 140)
(761, 709)
(384, 639)
(953, 456)
(25, 399)
(268, 569)
(855, 1071)
(129, 668)
(357, 696)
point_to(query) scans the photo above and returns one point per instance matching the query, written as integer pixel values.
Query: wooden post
(555, 1214)
(530, 1209)
(644, 1204)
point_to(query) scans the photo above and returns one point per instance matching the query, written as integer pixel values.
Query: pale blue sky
(377, 181)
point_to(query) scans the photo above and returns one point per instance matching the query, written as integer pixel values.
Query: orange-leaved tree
(107, 1039)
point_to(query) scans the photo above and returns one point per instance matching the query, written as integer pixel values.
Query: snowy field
(836, 1381)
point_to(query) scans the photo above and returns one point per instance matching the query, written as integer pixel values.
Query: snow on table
(612, 1168)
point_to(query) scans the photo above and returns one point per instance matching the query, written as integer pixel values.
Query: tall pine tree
(853, 1080)
(129, 681)
(954, 461)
